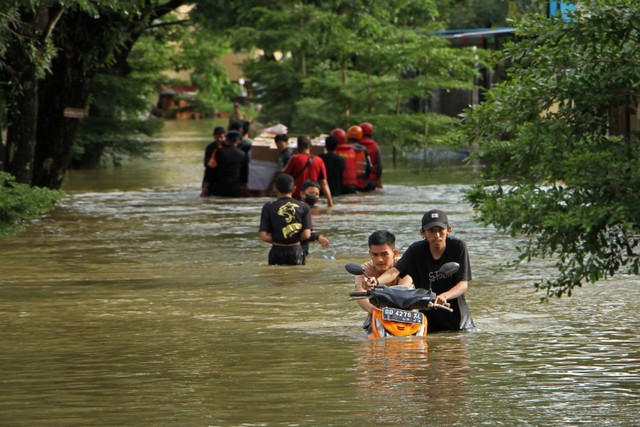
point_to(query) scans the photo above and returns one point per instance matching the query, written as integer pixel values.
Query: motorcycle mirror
(449, 268)
(355, 269)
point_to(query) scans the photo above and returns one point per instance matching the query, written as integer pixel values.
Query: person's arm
(244, 170)
(406, 281)
(364, 303)
(266, 237)
(307, 223)
(459, 289)
(323, 241)
(386, 277)
(265, 225)
(306, 234)
(327, 192)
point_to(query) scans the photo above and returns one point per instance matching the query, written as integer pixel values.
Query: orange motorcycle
(397, 312)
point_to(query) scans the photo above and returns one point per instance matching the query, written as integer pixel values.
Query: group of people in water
(351, 162)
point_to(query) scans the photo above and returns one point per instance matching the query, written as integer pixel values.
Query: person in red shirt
(375, 177)
(304, 166)
(346, 151)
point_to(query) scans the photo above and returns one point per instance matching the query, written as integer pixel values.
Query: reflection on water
(138, 303)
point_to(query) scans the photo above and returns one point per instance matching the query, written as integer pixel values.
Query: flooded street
(138, 303)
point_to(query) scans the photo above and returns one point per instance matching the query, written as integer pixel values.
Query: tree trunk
(22, 110)
(66, 87)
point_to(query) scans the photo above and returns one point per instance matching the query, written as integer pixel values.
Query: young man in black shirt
(284, 223)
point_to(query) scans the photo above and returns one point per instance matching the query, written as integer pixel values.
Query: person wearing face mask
(310, 194)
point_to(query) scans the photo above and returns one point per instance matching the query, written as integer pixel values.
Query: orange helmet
(354, 132)
(340, 135)
(367, 128)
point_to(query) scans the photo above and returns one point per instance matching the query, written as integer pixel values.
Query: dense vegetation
(559, 143)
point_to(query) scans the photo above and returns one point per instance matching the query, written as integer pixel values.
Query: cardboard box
(264, 148)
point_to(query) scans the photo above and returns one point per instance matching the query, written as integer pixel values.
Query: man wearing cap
(423, 259)
(210, 162)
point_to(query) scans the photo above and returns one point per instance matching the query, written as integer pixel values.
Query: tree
(26, 53)
(51, 54)
(561, 157)
(91, 43)
(337, 63)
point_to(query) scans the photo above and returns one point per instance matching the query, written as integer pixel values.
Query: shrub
(21, 203)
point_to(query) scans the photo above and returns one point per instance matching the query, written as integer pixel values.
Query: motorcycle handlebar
(359, 294)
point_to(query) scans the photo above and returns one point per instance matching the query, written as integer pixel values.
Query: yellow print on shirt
(288, 211)
(291, 229)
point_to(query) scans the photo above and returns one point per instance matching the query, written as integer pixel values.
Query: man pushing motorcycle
(422, 261)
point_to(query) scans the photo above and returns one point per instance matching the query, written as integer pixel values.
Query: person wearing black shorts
(284, 222)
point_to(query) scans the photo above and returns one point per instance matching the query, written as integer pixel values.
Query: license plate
(402, 316)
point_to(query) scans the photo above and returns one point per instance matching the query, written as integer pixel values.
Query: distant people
(375, 156)
(348, 153)
(304, 166)
(243, 126)
(363, 164)
(236, 115)
(232, 169)
(384, 255)
(310, 194)
(284, 151)
(210, 162)
(243, 93)
(284, 223)
(334, 164)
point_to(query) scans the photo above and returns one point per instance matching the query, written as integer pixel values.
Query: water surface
(138, 303)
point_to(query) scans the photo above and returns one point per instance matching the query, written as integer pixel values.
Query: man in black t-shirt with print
(284, 223)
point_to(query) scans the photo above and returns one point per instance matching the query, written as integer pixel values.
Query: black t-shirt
(335, 165)
(285, 219)
(232, 171)
(418, 262)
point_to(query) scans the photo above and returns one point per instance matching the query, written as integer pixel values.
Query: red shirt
(374, 157)
(349, 176)
(301, 172)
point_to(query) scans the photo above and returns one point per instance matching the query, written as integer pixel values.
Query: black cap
(434, 218)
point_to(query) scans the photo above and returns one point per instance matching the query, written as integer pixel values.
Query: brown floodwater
(138, 303)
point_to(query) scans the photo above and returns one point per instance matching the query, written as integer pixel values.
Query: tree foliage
(20, 203)
(336, 63)
(562, 165)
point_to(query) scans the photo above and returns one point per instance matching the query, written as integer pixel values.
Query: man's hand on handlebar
(440, 300)
(369, 283)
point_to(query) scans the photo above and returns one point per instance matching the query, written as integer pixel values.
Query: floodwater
(137, 303)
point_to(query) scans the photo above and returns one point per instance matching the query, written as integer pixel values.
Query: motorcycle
(396, 307)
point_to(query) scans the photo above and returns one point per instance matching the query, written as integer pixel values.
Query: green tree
(560, 153)
(20, 203)
(336, 63)
(92, 43)
(52, 53)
